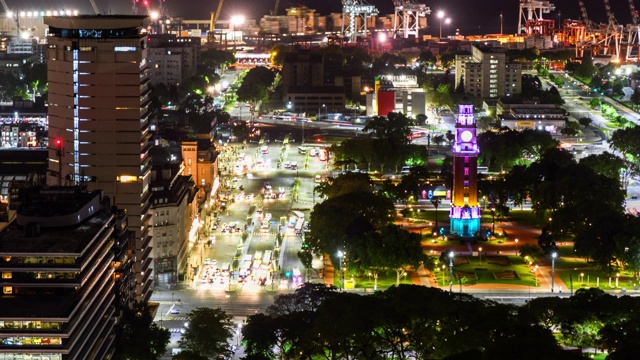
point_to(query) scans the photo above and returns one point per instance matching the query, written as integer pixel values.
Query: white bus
(266, 258)
(257, 256)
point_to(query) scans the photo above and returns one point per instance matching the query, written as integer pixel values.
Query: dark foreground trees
(401, 323)
(208, 332)
(138, 337)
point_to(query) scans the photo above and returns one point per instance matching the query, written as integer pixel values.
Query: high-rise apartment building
(99, 118)
(65, 270)
(173, 59)
(486, 74)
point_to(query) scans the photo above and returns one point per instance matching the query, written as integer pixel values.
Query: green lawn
(525, 218)
(486, 272)
(430, 215)
(595, 278)
(385, 280)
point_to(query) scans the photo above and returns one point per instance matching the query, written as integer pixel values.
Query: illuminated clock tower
(465, 212)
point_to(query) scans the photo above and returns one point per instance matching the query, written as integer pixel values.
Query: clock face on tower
(466, 136)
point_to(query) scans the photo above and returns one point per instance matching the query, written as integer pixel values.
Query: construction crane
(95, 7)
(583, 40)
(583, 13)
(613, 33)
(530, 21)
(406, 21)
(359, 11)
(212, 22)
(633, 31)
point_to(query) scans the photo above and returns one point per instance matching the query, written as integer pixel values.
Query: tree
(390, 248)
(530, 252)
(336, 221)
(585, 121)
(421, 119)
(208, 332)
(344, 184)
(635, 97)
(138, 337)
(390, 137)
(606, 164)
(35, 77)
(256, 85)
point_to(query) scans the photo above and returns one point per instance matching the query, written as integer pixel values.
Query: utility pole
(501, 23)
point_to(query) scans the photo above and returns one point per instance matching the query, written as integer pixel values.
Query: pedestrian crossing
(177, 318)
(175, 330)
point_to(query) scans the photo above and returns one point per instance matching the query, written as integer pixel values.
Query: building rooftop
(65, 240)
(316, 90)
(95, 21)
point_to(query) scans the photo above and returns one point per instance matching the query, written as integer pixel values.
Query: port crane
(406, 21)
(211, 37)
(633, 30)
(358, 12)
(531, 21)
(613, 33)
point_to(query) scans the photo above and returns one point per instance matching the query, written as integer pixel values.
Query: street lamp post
(535, 274)
(447, 21)
(436, 202)
(516, 246)
(443, 266)
(553, 269)
(341, 256)
(450, 271)
(493, 221)
(480, 254)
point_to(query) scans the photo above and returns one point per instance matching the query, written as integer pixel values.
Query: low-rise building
(520, 114)
(174, 207)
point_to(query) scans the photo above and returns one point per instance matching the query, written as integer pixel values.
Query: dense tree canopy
(138, 337)
(401, 323)
(337, 220)
(208, 332)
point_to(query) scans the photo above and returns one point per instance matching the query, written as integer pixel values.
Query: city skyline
(470, 16)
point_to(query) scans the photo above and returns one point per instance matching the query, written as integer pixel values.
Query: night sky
(470, 16)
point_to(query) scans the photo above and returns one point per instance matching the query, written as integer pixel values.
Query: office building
(64, 261)
(487, 74)
(99, 118)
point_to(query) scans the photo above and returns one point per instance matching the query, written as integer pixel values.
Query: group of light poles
(447, 21)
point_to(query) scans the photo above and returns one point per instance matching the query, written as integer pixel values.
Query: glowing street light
(480, 254)
(516, 246)
(237, 19)
(447, 21)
